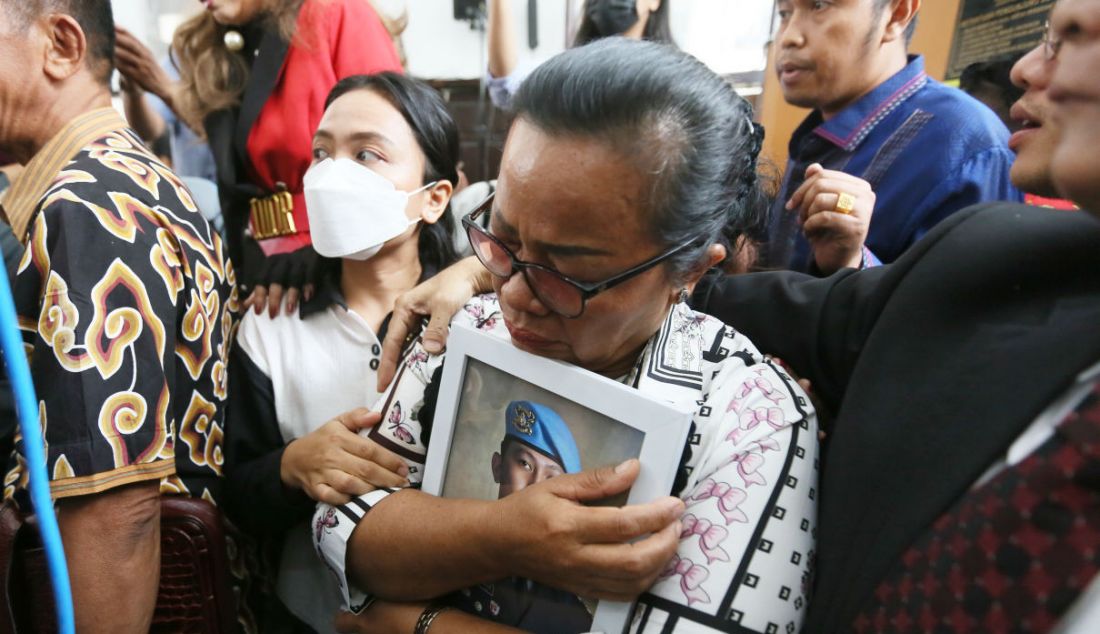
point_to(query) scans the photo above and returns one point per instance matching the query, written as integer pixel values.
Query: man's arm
(112, 543)
(817, 326)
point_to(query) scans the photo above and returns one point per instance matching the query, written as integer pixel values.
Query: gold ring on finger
(845, 203)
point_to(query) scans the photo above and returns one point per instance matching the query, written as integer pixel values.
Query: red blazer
(334, 39)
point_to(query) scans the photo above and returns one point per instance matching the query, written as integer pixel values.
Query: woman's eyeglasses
(561, 294)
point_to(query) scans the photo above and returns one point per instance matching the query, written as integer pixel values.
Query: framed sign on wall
(995, 29)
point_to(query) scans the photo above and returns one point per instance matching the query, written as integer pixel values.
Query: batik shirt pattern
(127, 304)
(746, 551)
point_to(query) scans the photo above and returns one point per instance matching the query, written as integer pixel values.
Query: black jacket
(934, 365)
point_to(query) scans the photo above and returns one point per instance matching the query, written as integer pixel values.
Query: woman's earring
(684, 295)
(234, 41)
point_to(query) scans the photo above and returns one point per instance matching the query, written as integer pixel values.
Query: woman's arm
(411, 546)
(136, 62)
(384, 617)
(502, 38)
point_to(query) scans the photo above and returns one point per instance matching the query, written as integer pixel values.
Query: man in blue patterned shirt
(927, 150)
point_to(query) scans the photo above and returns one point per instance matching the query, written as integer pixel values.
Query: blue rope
(26, 404)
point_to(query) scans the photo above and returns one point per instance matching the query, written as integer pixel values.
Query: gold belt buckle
(272, 216)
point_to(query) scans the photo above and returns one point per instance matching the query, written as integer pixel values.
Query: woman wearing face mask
(629, 171)
(254, 75)
(633, 19)
(378, 193)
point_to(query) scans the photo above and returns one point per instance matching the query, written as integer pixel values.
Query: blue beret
(541, 428)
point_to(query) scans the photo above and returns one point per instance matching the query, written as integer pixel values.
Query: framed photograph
(506, 419)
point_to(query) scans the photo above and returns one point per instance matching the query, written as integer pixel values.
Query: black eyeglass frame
(587, 290)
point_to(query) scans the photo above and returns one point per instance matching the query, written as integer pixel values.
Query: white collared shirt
(320, 367)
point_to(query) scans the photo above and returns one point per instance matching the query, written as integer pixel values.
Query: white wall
(728, 35)
(153, 21)
(440, 47)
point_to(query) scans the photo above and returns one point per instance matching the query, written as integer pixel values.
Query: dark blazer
(933, 365)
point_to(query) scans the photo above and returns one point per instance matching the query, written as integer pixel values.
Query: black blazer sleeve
(817, 326)
(256, 499)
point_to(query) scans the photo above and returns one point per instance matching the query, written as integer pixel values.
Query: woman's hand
(136, 63)
(835, 236)
(440, 298)
(333, 463)
(590, 550)
(290, 277)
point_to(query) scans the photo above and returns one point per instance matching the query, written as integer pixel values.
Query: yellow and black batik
(127, 305)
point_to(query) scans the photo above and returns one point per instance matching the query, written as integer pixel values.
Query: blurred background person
(634, 19)
(254, 75)
(151, 117)
(991, 83)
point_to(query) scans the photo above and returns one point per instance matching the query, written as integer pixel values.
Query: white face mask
(353, 210)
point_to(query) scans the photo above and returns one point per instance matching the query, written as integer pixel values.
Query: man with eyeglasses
(926, 150)
(961, 476)
(1038, 132)
(962, 486)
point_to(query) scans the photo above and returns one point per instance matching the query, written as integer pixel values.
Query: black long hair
(437, 135)
(676, 120)
(657, 28)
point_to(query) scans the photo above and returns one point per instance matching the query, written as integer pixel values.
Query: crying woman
(378, 198)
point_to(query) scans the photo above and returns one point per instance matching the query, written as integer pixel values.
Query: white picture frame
(663, 428)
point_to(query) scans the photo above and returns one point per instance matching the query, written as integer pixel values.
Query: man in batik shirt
(126, 302)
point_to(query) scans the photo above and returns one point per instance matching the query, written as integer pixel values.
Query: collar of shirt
(42, 170)
(855, 123)
(328, 294)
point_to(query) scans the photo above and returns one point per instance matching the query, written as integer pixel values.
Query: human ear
(496, 467)
(714, 256)
(438, 197)
(901, 15)
(66, 49)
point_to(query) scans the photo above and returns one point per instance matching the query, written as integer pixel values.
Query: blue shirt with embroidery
(927, 149)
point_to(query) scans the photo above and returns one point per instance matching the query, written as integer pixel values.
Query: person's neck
(626, 362)
(891, 64)
(41, 124)
(370, 287)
